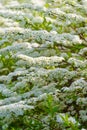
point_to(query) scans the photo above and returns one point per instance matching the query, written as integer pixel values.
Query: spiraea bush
(43, 64)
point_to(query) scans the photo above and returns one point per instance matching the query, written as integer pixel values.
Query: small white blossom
(37, 20)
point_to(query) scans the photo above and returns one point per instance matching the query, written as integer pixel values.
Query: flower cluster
(43, 65)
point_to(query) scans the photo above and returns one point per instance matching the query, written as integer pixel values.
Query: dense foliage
(43, 64)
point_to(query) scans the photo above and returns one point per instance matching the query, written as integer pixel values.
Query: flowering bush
(43, 65)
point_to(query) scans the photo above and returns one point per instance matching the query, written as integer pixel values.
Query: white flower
(71, 119)
(16, 108)
(83, 115)
(85, 4)
(80, 82)
(37, 2)
(59, 119)
(82, 101)
(77, 63)
(47, 62)
(37, 20)
(83, 51)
